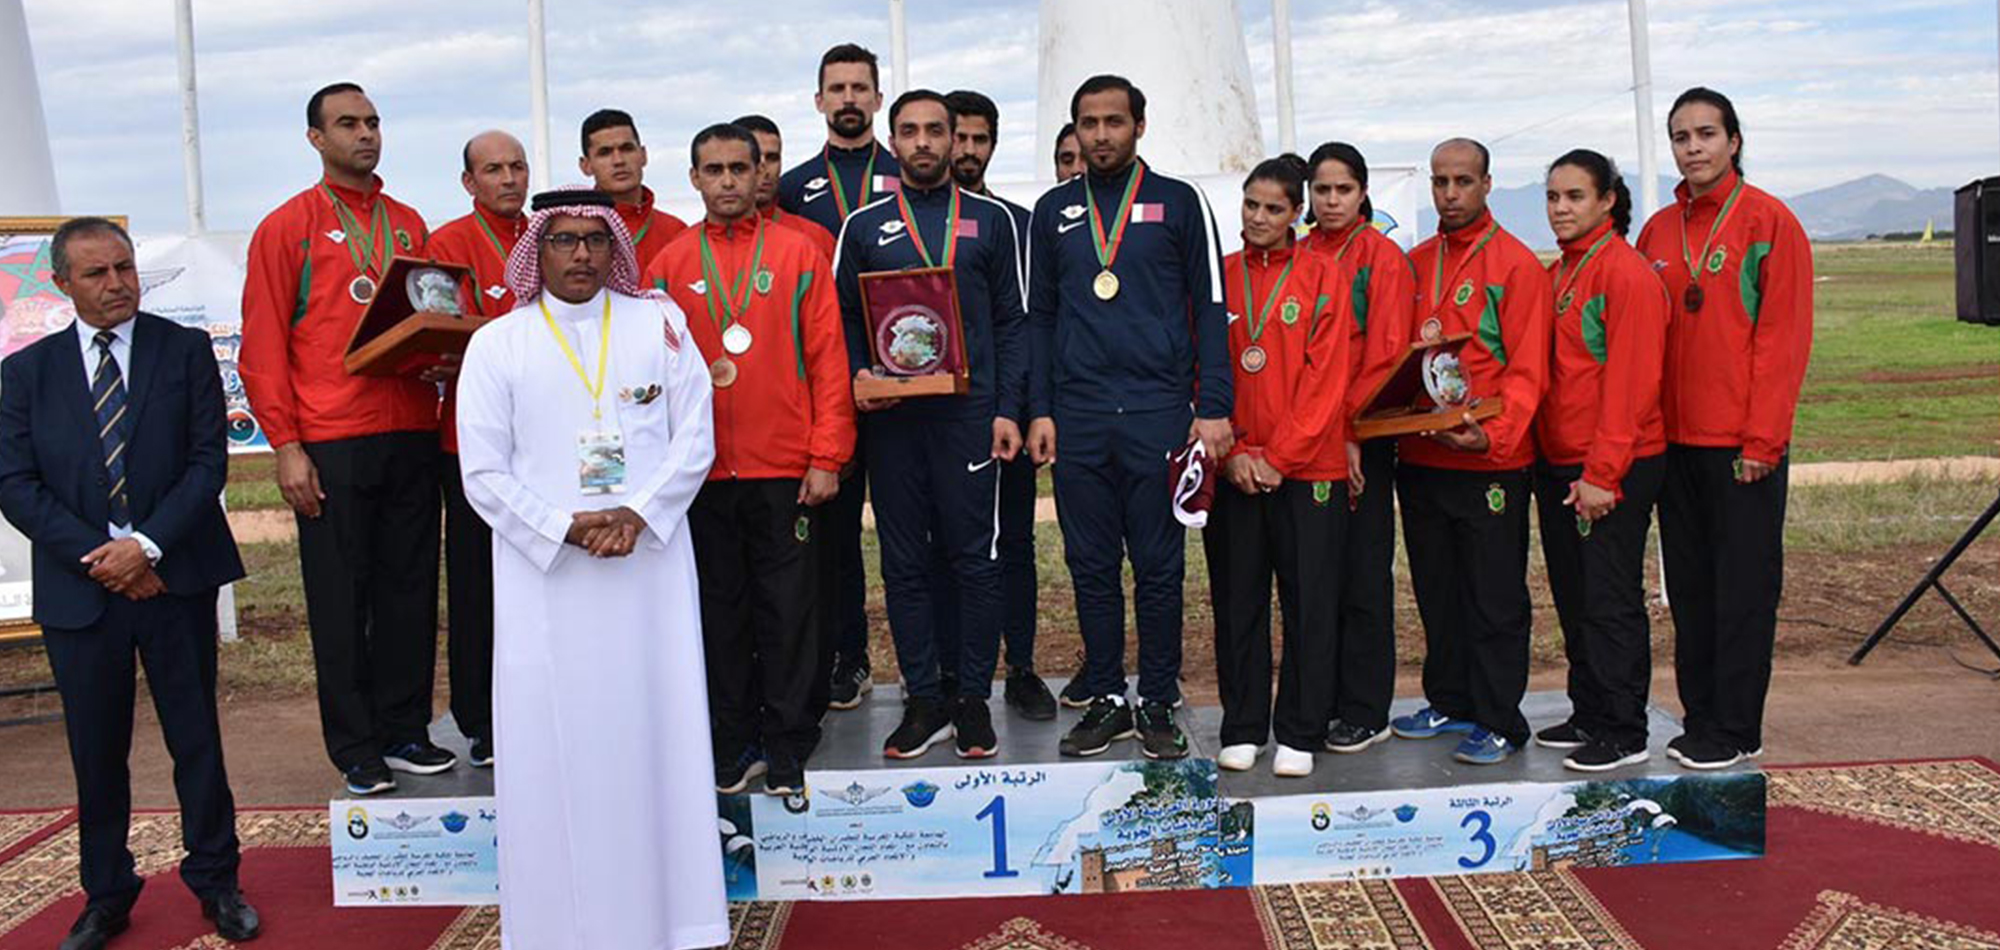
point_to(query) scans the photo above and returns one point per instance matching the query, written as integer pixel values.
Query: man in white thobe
(584, 430)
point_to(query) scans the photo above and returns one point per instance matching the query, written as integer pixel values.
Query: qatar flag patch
(968, 228)
(887, 183)
(1149, 213)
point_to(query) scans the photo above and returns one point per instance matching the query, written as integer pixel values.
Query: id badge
(600, 462)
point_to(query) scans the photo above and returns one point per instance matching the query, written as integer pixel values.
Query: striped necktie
(107, 393)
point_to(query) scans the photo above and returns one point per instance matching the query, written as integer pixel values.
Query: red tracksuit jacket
(1384, 304)
(482, 242)
(1734, 367)
(1602, 409)
(651, 229)
(1292, 411)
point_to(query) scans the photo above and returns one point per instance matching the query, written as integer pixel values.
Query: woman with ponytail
(1281, 506)
(1384, 302)
(1601, 460)
(1740, 272)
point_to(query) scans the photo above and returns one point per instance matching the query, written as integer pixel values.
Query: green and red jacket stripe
(651, 229)
(1383, 287)
(1501, 296)
(1734, 367)
(1602, 408)
(1292, 411)
(298, 317)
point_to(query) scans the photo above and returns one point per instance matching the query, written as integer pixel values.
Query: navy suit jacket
(52, 480)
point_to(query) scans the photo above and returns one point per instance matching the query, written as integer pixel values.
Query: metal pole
(538, 94)
(1642, 111)
(899, 50)
(190, 124)
(1281, 43)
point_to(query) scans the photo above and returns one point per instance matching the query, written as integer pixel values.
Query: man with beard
(614, 158)
(770, 168)
(851, 170)
(935, 459)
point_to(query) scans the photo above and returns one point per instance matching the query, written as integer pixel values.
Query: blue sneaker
(1427, 723)
(1483, 747)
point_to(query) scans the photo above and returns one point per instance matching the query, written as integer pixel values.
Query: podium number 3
(997, 808)
(1480, 836)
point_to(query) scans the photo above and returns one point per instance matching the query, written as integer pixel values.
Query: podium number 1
(998, 809)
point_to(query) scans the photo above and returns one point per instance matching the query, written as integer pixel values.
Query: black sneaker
(1708, 754)
(1598, 755)
(1029, 696)
(372, 778)
(1159, 737)
(418, 758)
(733, 777)
(972, 724)
(481, 755)
(1677, 746)
(1075, 695)
(786, 776)
(1346, 737)
(851, 681)
(926, 722)
(1106, 721)
(1563, 735)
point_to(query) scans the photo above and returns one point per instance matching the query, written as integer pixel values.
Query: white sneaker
(1291, 763)
(1238, 758)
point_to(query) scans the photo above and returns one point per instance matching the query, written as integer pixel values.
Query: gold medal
(722, 373)
(1106, 285)
(1432, 331)
(1254, 359)
(737, 339)
(362, 289)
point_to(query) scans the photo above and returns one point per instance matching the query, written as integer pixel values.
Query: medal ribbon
(1107, 249)
(366, 248)
(735, 300)
(596, 389)
(840, 189)
(1263, 314)
(1444, 250)
(1565, 281)
(498, 248)
(950, 234)
(1728, 205)
(1341, 254)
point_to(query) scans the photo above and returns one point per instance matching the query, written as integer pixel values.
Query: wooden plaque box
(395, 339)
(1402, 405)
(914, 334)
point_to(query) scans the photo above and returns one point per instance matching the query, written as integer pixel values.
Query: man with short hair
(357, 456)
(1464, 491)
(935, 460)
(977, 129)
(1069, 156)
(615, 160)
(129, 548)
(496, 176)
(768, 324)
(851, 170)
(584, 422)
(770, 168)
(1126, 310)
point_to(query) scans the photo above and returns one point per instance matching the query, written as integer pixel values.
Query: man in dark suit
(112, 457)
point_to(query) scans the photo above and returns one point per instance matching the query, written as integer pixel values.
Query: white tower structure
(29, 185)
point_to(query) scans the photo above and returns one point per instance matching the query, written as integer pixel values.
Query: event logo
(454, 822)
(357, 823)
(1073, 212)
(1361, 813)
(857, 794)
(1322, 817)
(799, 802)
(404, 821)
(1406, 813)
(920, 793)
(1383, 221)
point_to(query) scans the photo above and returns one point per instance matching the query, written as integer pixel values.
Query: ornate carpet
(1868, 856)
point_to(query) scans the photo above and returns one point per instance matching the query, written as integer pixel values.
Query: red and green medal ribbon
(1694, 292)
(916, 237)
(1444, 250)
(1263, 315)
(840, 190)
(367, 249)
(1564, 281)
(734, 300)
(1107, 247)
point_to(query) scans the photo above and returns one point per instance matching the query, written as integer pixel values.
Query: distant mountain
(1872, 204)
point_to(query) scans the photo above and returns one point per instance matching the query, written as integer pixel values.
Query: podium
(416, 318)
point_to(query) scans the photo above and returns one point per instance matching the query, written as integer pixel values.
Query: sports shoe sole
(399, 764)
(1452, 729)
(942, 734)
(1632, 759)
(756, 768)
(1482, 760)
(784, 788)
(1160, 756)
(1099, 750)
(485, 763)
(1380, 736)
(980, 752)
(1068, 703)
(1710, 765)
(867, 686)
(1754, 753)
(375, 789)
(1565, 746)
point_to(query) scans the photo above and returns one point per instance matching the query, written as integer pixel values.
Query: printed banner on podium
(415, 851)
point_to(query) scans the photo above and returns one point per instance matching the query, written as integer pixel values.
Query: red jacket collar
(352, 198)
(508, 229)
(728, 232)
(638, 213)
(1259, 258)
(1473, 230)
(1580, 246)
(1715, 196)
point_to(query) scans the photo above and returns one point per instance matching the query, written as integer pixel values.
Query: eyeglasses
(596, 241)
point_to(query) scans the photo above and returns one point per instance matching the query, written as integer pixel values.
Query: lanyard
(366, 248)
(596, 389)
(1107, 248)
(1341, 254)
(498, 248)
(1444, 250)
(1565, 281)
(735, 300)
(840, 189)
(1728, 205)
(1263, 314)
(950, 233)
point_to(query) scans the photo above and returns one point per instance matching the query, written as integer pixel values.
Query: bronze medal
(1692, 299)
(362, 289)
(1433, 331)
(722, 373)
(1254, 359)
(1106, 285)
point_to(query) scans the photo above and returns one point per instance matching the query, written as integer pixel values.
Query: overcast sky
(1828, 89)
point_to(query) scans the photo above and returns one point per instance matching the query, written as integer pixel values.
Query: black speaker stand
(1935, 579)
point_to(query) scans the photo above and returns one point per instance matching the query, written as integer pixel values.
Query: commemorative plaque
(416, 317)
(1427, 392)
(915, 336)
